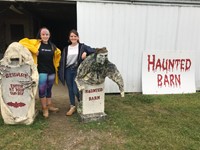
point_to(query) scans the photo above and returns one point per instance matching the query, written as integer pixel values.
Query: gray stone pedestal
(92, 117)
(91, 108)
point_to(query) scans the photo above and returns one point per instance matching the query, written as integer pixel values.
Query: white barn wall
(127, 30)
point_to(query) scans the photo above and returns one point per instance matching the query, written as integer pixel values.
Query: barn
(126, 27)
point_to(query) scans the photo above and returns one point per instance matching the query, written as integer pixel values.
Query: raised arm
(89, 50)
(114, 74)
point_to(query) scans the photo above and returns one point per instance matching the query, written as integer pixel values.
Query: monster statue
(93, 71)
(95, 68)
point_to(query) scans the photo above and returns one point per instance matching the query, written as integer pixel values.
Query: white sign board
(15, 94)
(93, 99)
(165, 72)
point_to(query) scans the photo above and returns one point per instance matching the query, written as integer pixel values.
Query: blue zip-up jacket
(82, 48)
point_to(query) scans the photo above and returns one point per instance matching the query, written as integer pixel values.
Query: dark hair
(101, 50)
(75, 32)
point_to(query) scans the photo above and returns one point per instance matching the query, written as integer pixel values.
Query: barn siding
(127, 30)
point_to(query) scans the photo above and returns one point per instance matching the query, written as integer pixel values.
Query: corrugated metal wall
(127, 30)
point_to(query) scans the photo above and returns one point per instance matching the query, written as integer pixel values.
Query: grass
(136, 122)
(22, 137)
(161, 122)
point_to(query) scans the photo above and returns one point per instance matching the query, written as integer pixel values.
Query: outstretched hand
(81, 88)
(122, 94)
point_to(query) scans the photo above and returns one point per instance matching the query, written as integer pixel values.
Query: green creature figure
(95, 68)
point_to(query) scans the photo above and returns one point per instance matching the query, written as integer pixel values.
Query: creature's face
(45, 35)
(101, 58)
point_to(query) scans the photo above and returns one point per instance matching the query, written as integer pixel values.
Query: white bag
(19, 82)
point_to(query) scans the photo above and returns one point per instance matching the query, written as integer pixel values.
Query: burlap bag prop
(19, 81)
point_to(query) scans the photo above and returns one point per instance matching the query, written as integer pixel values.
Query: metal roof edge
(170, 2)
(147, 1)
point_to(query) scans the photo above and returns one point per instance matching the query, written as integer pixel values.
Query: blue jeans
(70, 74)
(46, 82)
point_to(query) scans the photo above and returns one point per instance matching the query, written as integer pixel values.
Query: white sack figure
(18, 85)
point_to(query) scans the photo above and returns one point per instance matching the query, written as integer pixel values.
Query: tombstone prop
(90, 80)
(18, 87)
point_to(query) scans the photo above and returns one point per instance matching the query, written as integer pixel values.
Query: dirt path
(61, 132)
(60, 129)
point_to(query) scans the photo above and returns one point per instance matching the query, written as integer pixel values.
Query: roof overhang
(190, 2)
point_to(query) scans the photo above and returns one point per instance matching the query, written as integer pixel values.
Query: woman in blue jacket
(72, 55)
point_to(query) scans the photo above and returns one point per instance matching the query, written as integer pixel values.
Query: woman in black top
(47, 57)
